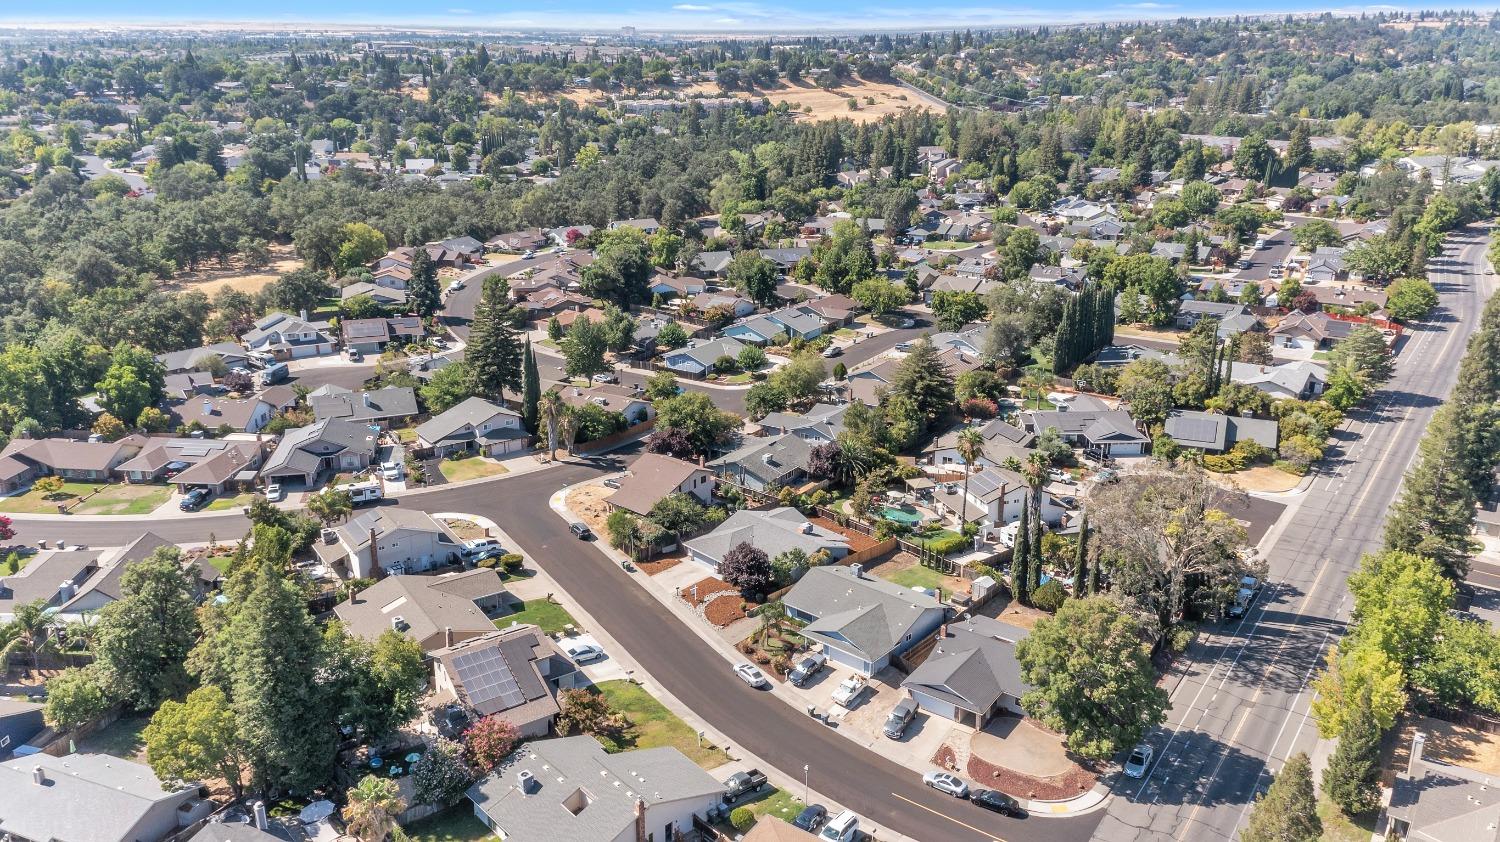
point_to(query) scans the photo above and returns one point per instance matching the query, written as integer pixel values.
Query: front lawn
(237, 501)
(779, 804)
(473, 467)
(945, 245)
(406, 435)
(548, 616)
(219, 563)
(1338, 827)
(34, 502)
(916, 576)
(455, 824)
(655, 726)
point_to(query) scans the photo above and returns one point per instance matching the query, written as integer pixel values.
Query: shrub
(1181, 635)
(945, 544)
(511, 562)
(488, 563)
(1049, 597)
(743, 818)
(979, 408)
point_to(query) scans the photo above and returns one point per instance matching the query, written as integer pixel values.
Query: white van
(841, 828)
(273, 373)
(362, 492)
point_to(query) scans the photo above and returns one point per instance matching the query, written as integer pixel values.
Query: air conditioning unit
(524, 779)
(399, 623)
(330, 536)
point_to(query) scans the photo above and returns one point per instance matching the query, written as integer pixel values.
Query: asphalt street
(1278, 248)
(1241, 707)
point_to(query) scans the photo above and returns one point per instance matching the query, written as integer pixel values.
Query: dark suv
(194, 500)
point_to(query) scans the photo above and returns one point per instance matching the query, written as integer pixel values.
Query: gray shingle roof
(775, 531)
(611, 784)
(861, 612)
(86, 798)
(459, 422)
(770, 460)
(426, 603)
(341, 435)
(376, 405)
(973, 666)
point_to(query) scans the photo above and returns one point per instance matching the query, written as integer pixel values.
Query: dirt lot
(1449, 743)
(466, 530)
(1260, 478)
(209, 281)
(1007, 610)
(889, 99)
(587, 501)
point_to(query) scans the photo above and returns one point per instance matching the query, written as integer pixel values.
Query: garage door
(936, 707)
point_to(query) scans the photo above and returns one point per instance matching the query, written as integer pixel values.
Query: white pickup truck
(849, 691)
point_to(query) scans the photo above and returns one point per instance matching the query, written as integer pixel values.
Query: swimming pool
(907, 517)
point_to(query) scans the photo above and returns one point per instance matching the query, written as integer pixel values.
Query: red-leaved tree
(748, 568)
(489, 741)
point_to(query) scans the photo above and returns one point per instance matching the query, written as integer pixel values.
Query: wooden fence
(615, 439)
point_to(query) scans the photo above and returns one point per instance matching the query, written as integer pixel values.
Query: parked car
(901, 717)
(811, 818)
(810, 665)
(849, 690)
(945, 782)
(841, 828)
(832, 351)
(991, 799)
(1107, 475)
(611, 483)
(907, 324)
(582, 531)
(275, 493)
(1249, 587)
(273, 373)
(391, 471)
(1243, 264)
(903, 347)
(607, 377)
(457, 285)
(353, 354)
(194, 500)
(581, 652)
(474, 546)
(750, 674)
(487, 553)
(1139, 761)
(743, 783)
(528, 255)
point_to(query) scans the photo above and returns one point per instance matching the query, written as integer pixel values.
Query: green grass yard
(916, 576)
(219, 562)
(548, 616)
(236, 501)
(1340, 828)
(945, 245)
(455, 824)
(121, 738)
(115, 499)
(655, 726)
(778, 804)
(473, 467)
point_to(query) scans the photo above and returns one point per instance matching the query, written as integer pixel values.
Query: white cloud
(460, 11)
(1145, 6)
(692, 7)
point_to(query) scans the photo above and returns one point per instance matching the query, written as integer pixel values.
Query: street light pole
(806, 790)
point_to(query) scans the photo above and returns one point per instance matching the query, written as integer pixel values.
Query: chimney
(375, 571)
(1414, 762)
(640, 820)
(208, 407)
(943, 631)
(304, 314)
(260, 816)
(38, 776)
(366, 397)
(447, 635)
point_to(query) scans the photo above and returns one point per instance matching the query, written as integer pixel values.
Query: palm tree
(29, 631)
(568, 428)
(373, 806)
(551, 406)
(970, 444)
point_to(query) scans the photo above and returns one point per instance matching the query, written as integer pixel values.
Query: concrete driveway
(1018, 745)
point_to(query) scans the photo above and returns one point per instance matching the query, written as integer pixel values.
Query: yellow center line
(983, 833)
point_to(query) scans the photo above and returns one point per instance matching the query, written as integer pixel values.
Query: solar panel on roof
(486, 677)
(1198, 429)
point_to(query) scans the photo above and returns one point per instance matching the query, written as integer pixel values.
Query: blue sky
(602, 15)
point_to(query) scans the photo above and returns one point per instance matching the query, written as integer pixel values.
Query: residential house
(773, 530)
(732, 302)
(1171, 252)
(243, 415)
(972, 674)
(513, 673)
(631, 403)
(790, 322)
(861, 621)
(388, 540)
(654, 476)
(52, 577)
(672, 286)
(993, 497)
(1070, 279)
(1214, 433)
(772, 829)
(787, 258)
(92, 798)
(464, 245)
(332, 444)
(371, 336)
(1324, 266)
(1310, 331)
(218, 470)
(820, 424)
(378, 407)
(697, 360)
(1434, 801)
(175, 458)
(287, 337)
(199, 359)
(766, 463)
(526, 240)
(435, 611)
(647, 226)
(19, 722)
(103, 585)
(186, 384)
(1192, 311)
(567, 235)
(383, 295)
(1101, 432)
(23, 460)
(1002, 439)
(473, 426)
(712, 264)
(836, 310)
(570, 788)
(1299, 380)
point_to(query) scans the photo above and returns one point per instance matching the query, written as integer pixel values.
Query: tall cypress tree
(1020, 564)
(1035, 556)
(1352, 779)
(494, 351)
(1081, 556)
(422, 290)
(1289, 810)
(531, 389)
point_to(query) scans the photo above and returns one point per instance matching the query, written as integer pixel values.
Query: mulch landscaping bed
(659, 565)
(858, 541)
(985, 774)
(725, 609)
(707, 589)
